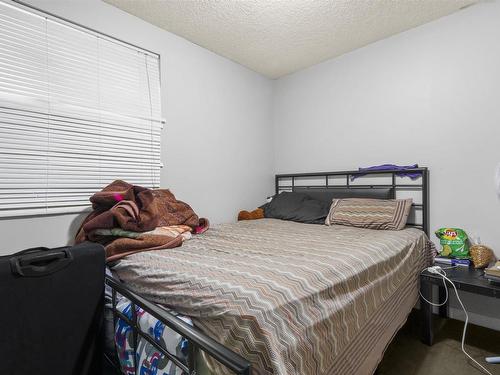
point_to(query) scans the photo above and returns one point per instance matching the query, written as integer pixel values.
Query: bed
(288, 298)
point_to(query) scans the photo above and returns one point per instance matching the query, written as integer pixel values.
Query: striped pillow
(370, 213)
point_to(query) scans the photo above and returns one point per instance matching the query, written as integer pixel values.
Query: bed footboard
(197, 340)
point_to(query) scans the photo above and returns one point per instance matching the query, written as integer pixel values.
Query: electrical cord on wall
(440, 271)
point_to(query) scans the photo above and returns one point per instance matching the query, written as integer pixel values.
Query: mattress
(292, 298)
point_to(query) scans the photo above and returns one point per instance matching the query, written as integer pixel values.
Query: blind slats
(77, 111)
(21, 131)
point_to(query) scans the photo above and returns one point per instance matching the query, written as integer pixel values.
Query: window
(77, 111)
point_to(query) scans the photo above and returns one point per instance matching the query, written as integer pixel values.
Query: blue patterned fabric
(148, 359)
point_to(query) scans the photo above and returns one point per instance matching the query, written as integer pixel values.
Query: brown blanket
(126, 219)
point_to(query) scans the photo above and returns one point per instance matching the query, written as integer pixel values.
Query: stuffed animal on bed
(252, 215)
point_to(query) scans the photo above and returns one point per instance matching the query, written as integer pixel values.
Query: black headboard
(384, 184)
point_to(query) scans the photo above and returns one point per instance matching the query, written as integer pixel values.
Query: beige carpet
(406, 355)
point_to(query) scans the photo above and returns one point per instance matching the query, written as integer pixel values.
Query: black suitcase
(51, 311)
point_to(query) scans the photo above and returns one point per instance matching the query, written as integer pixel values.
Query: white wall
(216, 145)
(430, 95)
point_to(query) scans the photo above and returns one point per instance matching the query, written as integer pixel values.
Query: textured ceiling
(278, 37)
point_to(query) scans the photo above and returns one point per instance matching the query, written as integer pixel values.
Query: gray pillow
(297, 207)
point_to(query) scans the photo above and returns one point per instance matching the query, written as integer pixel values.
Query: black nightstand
(465, 279)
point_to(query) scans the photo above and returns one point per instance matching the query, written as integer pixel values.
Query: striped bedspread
(294, 299)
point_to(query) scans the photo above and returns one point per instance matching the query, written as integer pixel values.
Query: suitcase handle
(36, 264)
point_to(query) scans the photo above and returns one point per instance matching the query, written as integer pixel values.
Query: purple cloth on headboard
(386, 167)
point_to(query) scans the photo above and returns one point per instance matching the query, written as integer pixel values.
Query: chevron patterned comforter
(294, 299)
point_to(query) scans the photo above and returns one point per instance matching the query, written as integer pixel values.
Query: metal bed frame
(198, 340)
(422, 186)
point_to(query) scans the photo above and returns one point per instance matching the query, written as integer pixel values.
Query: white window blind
(77, 111)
